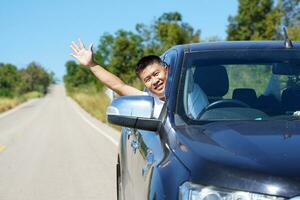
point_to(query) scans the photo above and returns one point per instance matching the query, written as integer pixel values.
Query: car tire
(119, 182)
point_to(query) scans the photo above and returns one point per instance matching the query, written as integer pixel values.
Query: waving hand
(83, 55)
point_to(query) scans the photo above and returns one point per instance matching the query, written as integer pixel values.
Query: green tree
(256, 20)
(294, 33)
(104, 52)
(126, 51)
(120, 51)
(34, 78)
(291, 12)
(172, 31)
(291, 17)
(52, 77)
(9, 79)
(168, 30)
(78, 76)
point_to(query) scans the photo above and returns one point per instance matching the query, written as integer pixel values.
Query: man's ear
(167, 69)
(165, 65)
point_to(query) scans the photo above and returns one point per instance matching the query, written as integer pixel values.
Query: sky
(42, 30)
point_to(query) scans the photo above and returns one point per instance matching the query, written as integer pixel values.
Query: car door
(147, 155)
(128, 171)
(147, 151)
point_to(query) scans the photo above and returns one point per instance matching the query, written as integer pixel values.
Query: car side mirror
(133, 112)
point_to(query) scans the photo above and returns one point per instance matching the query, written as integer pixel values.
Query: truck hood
(255, 150)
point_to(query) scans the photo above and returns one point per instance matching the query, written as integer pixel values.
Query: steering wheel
(226, 103)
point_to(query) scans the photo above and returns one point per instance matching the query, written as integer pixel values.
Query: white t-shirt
(158, 104)
(197, 100)
(273, 87)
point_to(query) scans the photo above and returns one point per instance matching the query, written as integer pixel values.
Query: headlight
(190, 191)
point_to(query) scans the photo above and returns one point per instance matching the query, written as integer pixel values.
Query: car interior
(215, 85)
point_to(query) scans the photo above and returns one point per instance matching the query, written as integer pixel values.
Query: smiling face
(154, 77)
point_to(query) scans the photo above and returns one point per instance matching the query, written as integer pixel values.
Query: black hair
(148, 60)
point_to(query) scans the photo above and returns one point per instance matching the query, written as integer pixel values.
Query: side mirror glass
(133, 112)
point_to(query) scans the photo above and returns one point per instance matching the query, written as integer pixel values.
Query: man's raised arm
(85, 58)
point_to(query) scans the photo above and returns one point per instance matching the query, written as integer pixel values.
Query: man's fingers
(91, 47)
(81, 44)
(74, 45)
(73, 55)
(74, 49)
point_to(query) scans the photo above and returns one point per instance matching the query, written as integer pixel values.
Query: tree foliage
(78, 75)
(126, 52)
(103, 54)
(168, 30)
(294, 33)
(14, 82)
(119, 52)
(9, 79)
(256, 20)
(291, 17)
(291, 12)
(34, 78)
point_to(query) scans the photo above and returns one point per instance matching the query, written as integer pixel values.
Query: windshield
(241, 85)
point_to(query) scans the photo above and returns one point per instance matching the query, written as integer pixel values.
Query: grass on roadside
(93, 101)
(9, 103)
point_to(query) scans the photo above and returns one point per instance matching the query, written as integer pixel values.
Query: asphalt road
(50, 149)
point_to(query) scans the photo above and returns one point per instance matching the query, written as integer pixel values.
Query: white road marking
(93, 125)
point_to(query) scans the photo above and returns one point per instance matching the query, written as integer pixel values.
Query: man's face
(154, 77)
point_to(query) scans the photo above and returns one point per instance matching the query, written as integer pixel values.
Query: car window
(241, 90)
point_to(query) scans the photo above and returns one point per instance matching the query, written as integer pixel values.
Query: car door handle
(134, 145)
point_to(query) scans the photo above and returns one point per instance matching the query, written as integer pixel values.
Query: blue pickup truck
(242, 144)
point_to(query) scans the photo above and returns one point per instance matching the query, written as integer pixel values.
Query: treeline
(15, 82)
(263, 20)
(119, 52)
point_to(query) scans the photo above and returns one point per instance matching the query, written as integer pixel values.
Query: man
(150, 69)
